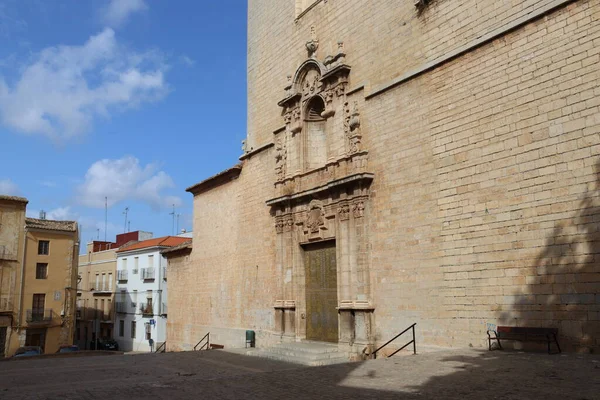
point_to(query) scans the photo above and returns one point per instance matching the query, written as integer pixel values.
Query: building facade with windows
(141, 293)
(96, 288)
(429, 162)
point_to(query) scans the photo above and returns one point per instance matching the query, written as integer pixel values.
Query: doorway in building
(321, 292)
(36, 337)
(2, 341)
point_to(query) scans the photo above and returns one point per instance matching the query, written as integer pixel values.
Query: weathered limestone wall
(228, 281)
(484, 208)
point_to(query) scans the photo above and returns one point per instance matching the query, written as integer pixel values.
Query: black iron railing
(162, 348)
(39, 315)
(413, 341)
(203, 343)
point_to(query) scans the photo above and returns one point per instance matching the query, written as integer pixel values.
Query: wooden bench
(216, 346)
(523, 334)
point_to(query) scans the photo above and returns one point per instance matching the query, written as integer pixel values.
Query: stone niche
(322, 186)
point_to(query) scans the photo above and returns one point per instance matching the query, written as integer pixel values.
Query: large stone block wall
(484, 209)
(486, 197)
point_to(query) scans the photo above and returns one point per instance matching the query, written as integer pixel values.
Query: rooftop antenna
(105, 216)
(128, 226)
(173, 224)
(98, 235)
(178, 215)
(125, 212)
(42, 214)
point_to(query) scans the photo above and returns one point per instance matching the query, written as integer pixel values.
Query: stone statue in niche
(352, 127)
(280, 159)
(313, 44)
(314, 218)
(329, 110)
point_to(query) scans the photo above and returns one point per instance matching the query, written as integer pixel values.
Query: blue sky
(134, 100)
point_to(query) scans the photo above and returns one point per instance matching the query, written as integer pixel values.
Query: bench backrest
(521, 330)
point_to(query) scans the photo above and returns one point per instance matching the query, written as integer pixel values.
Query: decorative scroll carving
(358, 209)
(315, 219)
(280, 159)
(344, 212)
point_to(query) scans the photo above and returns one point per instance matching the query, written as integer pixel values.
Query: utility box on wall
(250, 339)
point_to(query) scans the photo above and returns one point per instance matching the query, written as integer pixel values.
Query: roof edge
(216, 180)
(15, 199)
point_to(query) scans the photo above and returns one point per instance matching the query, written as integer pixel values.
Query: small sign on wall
(57, 295)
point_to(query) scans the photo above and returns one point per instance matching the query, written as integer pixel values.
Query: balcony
(164, 272)
(146, 309)
(122, 276)
(121, 307)
(39, 316)
(147, 274)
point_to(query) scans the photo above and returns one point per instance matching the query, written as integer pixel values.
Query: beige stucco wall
(59, 287)
(90, 264)
(12, 220)
(484, 207)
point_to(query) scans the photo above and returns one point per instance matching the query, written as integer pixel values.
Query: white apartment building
(141, 293)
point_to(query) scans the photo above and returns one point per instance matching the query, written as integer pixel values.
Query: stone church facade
(406, 161)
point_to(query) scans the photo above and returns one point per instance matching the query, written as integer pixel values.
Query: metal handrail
(207, 344)
(163, 346)
(413, 341)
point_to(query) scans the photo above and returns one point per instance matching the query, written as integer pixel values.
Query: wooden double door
(321, 292)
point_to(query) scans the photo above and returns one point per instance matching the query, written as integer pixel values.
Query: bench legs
(496, 338)
(549, 340)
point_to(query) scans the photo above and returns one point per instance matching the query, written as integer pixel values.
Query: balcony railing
(5, 305)
(39, 315)
(146, 309)
(164, 273)
(147, 273)
(121, 307)
(122, 275)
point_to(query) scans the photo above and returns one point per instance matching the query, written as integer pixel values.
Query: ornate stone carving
(280, 159)
(352, 128)
(314, 218)
(295, 120)
(288, 224)
(311, 83)
(340, 90)
(279, 226)
(328, 98)
(358, 209)
(313, 44)
(344, 212)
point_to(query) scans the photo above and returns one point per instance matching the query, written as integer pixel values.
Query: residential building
(12, 239)
(428, 162)
(141, 293)
(38, 279)
(96, 287)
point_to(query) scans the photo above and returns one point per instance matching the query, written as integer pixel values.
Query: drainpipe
(19, 322)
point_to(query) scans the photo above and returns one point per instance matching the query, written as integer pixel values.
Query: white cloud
(59, 214)
(8, 188)
(125, 179)
(60, 93)
(118, 11)
(187, 60)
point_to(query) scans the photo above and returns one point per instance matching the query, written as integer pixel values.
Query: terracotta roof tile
(184, 245)
(51, 225)
(165, 241)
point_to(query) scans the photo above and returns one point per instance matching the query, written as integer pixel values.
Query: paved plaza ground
(444, 374)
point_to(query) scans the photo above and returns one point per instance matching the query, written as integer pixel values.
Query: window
(133, 324)
(150, 261)
(136, 263)
(124, 263)
(103, 287)
(95, 308)
(148, 331)
(110, 282)
(39, 302)
(44, 247)
(121, 328)
(134, 299)
(316, 138)
(102, 310)
(97, 287)
(108, 309)
(41, 271)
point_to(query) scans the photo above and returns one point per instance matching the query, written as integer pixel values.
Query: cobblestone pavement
(448, 374)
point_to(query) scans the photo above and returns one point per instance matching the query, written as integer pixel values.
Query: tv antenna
(173, 223)
(125, 212)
